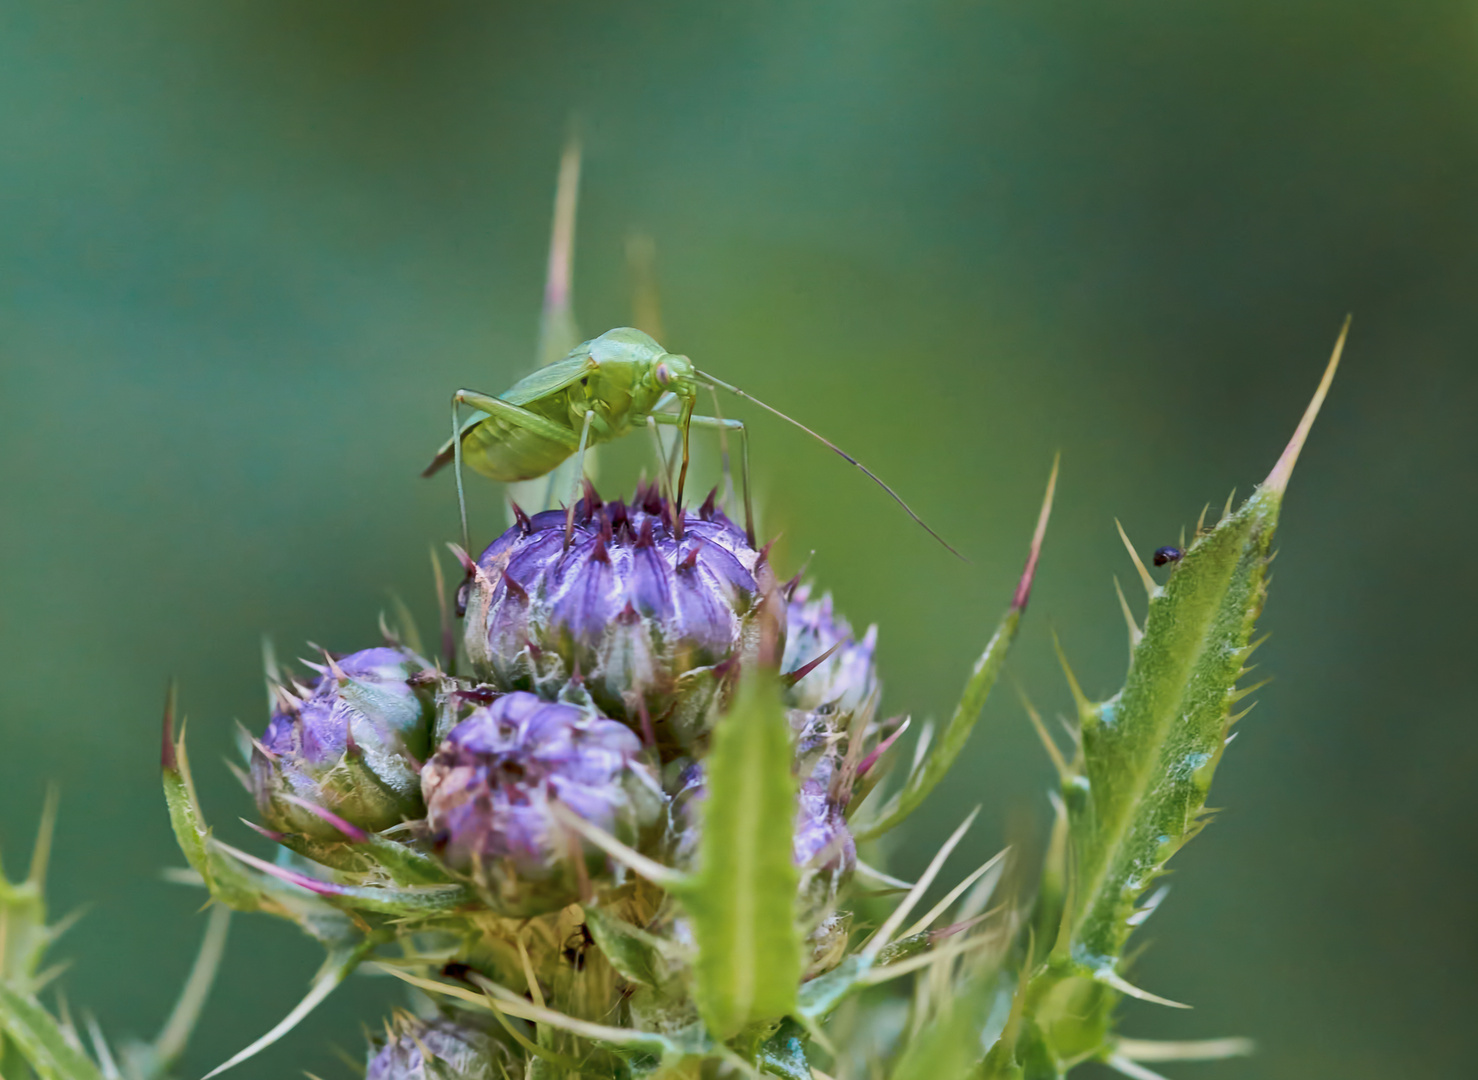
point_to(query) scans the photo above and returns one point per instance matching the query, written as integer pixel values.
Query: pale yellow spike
(1226, 511)
(1237, 716)
(41, 852)
(535, 992)
(1131, 1068)
(1086, 708)
(1135, 633)
(1254, 646)
(646, 304)
(558, 329)
(1198, 1050)
(1050, 744)
(1277, 480)
(890, 927)
(664, 877)
(1144, 575)
(1112, 978)
(954, 894)
(47, 975)
(1237, 695)
(1201, 521)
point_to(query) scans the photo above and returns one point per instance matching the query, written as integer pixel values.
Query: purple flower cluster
(490, 786)
(598, 664)
(649, 618)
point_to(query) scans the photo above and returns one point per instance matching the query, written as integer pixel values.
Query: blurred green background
(248, 248)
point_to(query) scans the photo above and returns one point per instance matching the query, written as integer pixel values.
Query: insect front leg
(718, 423)
(664, 463)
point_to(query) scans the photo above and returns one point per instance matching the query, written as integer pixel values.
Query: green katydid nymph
(606, 388)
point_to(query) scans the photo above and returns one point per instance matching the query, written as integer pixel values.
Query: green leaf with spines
(41, 1039)
(742, 898)
(1150, 751)
(1136, 791)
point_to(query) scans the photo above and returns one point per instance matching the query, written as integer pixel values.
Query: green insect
(606, 388)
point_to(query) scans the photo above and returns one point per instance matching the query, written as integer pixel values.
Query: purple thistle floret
(456, 1052)
(651, 622)
(844, 680)
(346, 750)
(490, 786)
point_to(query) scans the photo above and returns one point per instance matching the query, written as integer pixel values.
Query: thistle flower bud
(647, 617)
(491, 785)
(842, 681)
(440, 1049)
(345, 748)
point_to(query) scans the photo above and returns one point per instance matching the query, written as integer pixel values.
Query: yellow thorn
(1201, 521)
(1124, 986)
(1237, 695)
(1058, 761)
(1199, 1050)
(1086, 708)
(535, 991)
(41, 852)
(1135, 633)
(1237, 716)
(1144, 575)
(562, 240)
(1226, 511)
(1277, 480)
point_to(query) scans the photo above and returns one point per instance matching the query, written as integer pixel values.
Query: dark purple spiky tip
(634, 608)
(491, 784)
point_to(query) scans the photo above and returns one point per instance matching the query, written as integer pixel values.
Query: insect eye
(664, 374)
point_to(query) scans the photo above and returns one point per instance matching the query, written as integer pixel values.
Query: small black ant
(1168, 555)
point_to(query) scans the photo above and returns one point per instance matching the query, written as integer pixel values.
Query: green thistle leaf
(1136, 792)
(41, 1039)
(742, 900)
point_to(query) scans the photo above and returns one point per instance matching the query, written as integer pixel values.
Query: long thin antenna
(874, 477)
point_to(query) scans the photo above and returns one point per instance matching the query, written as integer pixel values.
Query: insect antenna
(874, 477)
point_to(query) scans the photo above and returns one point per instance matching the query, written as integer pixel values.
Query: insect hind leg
(577, 476)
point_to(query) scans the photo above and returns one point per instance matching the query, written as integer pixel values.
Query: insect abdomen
(503, 452)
